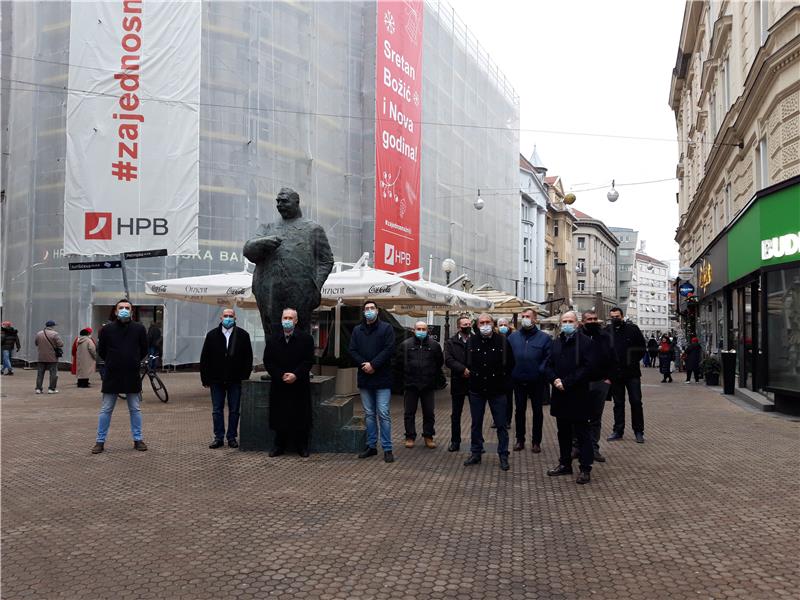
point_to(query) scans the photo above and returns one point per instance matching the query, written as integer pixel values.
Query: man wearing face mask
(123, 346)
(490, 363)
(629, 346)
(531, 348)
(456, 361)
(225, 361)
(288, 358)
(422, 363)
(371, 347)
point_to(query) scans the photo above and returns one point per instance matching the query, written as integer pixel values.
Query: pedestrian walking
(456, 361)
(569, 369)
(50, 348)
(10, 344)
(490, 362)
(371, 347)
(652, 351)
(666, 354)
(629, 346)
(531, 347)
(422, 367)
(85, 353)
(692, 358)
(123, 346)
(288, 358)
(225, 361)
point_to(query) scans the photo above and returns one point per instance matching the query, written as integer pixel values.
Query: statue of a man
(293, 259)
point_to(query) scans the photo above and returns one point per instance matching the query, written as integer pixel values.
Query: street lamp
(612, 194)
(448, 266)
(478, 204)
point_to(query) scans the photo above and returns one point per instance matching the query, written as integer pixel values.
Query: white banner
(133, 127)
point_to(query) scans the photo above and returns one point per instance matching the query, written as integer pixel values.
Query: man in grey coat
(50, 347)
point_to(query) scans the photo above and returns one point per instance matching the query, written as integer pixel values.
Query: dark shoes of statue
(599, 457)
(303, 452)
(584, 477)
(614, 436)
(504, 463)
(139, 445)
(368, 452)
(474, 459)
(536, 448)
(388, 457)
(639, 437)
(98, 448)
(560, 470)
(519, 446)
(233, 443)
(216, 444)
(275, 452)
(454, 447)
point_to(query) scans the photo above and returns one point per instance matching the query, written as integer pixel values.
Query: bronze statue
(293, 259)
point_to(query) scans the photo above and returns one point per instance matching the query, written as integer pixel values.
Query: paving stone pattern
(707, 508)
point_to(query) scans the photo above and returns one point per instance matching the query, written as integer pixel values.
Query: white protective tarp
(133, 125)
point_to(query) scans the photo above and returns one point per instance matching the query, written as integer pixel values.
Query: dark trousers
(694, 370)
(653, 357)
(412, 398)
(580, 429)
(83, 383)
(598, 390)
(477, 408)
(297, 438)
(509, 406)
(535, 391)
(457, 407)
(234, 394)
(634, 389)
(52, 368)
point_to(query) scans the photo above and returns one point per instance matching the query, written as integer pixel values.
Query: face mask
(526, 323)
(616, 321)
(228, 322)
(287, 324)
(485, 329)
(592, 328)
(124, 314)
(568, 328)
(466, 330)
(421, 335)
(503, 329)
(370, 314)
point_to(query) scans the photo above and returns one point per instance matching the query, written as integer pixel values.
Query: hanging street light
(612, 194)
(478, 204)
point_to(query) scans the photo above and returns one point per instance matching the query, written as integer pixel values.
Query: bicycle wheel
(159, 388)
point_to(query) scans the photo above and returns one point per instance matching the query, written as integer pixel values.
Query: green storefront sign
(767, 234)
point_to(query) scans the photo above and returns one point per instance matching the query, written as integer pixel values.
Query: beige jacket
(46, 352)
(85, 357)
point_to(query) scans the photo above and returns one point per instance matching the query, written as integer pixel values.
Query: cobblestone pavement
(706, 508)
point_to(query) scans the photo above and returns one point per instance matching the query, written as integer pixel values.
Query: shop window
(783, 329)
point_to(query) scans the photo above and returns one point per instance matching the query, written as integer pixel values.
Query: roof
(524, 163)
(582, 215)
(649, 259)
(551, 180)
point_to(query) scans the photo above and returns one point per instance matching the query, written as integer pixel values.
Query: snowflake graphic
(388, 20)
(416, 99)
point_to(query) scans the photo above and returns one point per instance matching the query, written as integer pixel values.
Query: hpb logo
(392, 256)
(98, 226)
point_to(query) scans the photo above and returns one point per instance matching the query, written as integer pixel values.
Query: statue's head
(288, 202)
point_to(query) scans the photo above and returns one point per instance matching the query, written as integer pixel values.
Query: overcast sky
(596, 67)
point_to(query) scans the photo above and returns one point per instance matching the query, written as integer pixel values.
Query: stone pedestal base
(333, 429)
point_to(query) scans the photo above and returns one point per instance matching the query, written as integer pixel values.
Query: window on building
(728, 209)
(581, 243)
(581, 265)
(526, 249)
(726, 85)
(555, 229)
(581, 285)
(762, 20)
(762, 164)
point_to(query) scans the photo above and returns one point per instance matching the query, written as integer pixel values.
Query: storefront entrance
(746, 325)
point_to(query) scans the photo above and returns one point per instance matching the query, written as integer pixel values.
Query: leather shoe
(454, 447)
(98, 448)
(599, 457)
(560, 470)
(614, 436)
(519, 446)
(504, 463)
(388, 457)
(584, 477)
(233, 444)
(409, 443)
(303, 452)
(139, 445)
(429, 443)
(216, 444)
(368, 452)
(536, 448)
(275, 452)
(639, 438)
(474, 459)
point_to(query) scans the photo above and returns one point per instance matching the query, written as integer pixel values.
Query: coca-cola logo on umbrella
(380, 289)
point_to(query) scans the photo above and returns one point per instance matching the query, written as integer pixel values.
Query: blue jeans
(234, 393)
(104, 421)
(376, 403)
(477, 408)
(7, 361)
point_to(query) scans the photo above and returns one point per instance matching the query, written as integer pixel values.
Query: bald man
(422, 364)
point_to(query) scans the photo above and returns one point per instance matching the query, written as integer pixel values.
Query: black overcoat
(456, 360)
(694, 352)
(222, 362)
(629, 345)
(572, 361)
(122, 346)
(422, 363)
(289, 403)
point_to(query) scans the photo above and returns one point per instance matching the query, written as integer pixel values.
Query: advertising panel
(398, 110)
(133, 127)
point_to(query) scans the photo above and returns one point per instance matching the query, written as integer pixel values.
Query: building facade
(559, 227)
(594, 248)
(626, 254)
(533, 217)
(287, 97)
(735, 92)
(648, 305)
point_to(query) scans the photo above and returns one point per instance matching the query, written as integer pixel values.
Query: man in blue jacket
(371, 347)
(531, 347)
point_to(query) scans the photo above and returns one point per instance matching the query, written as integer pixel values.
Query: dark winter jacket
(373, 343)
(289, 403)
(666, 354)
(222, 362)
(422, 362)
(10, 339)
(604, 360)
(629, 346)
(490, 362)
(531, 349)
(456, 360)
(122, 346)
(571, 361)
(694, 353)
(652, 346)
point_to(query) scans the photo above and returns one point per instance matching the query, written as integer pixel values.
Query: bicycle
(158, 386)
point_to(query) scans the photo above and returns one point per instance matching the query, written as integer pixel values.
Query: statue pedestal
(333, 426)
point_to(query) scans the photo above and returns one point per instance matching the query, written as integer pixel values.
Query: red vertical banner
(398, 139)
